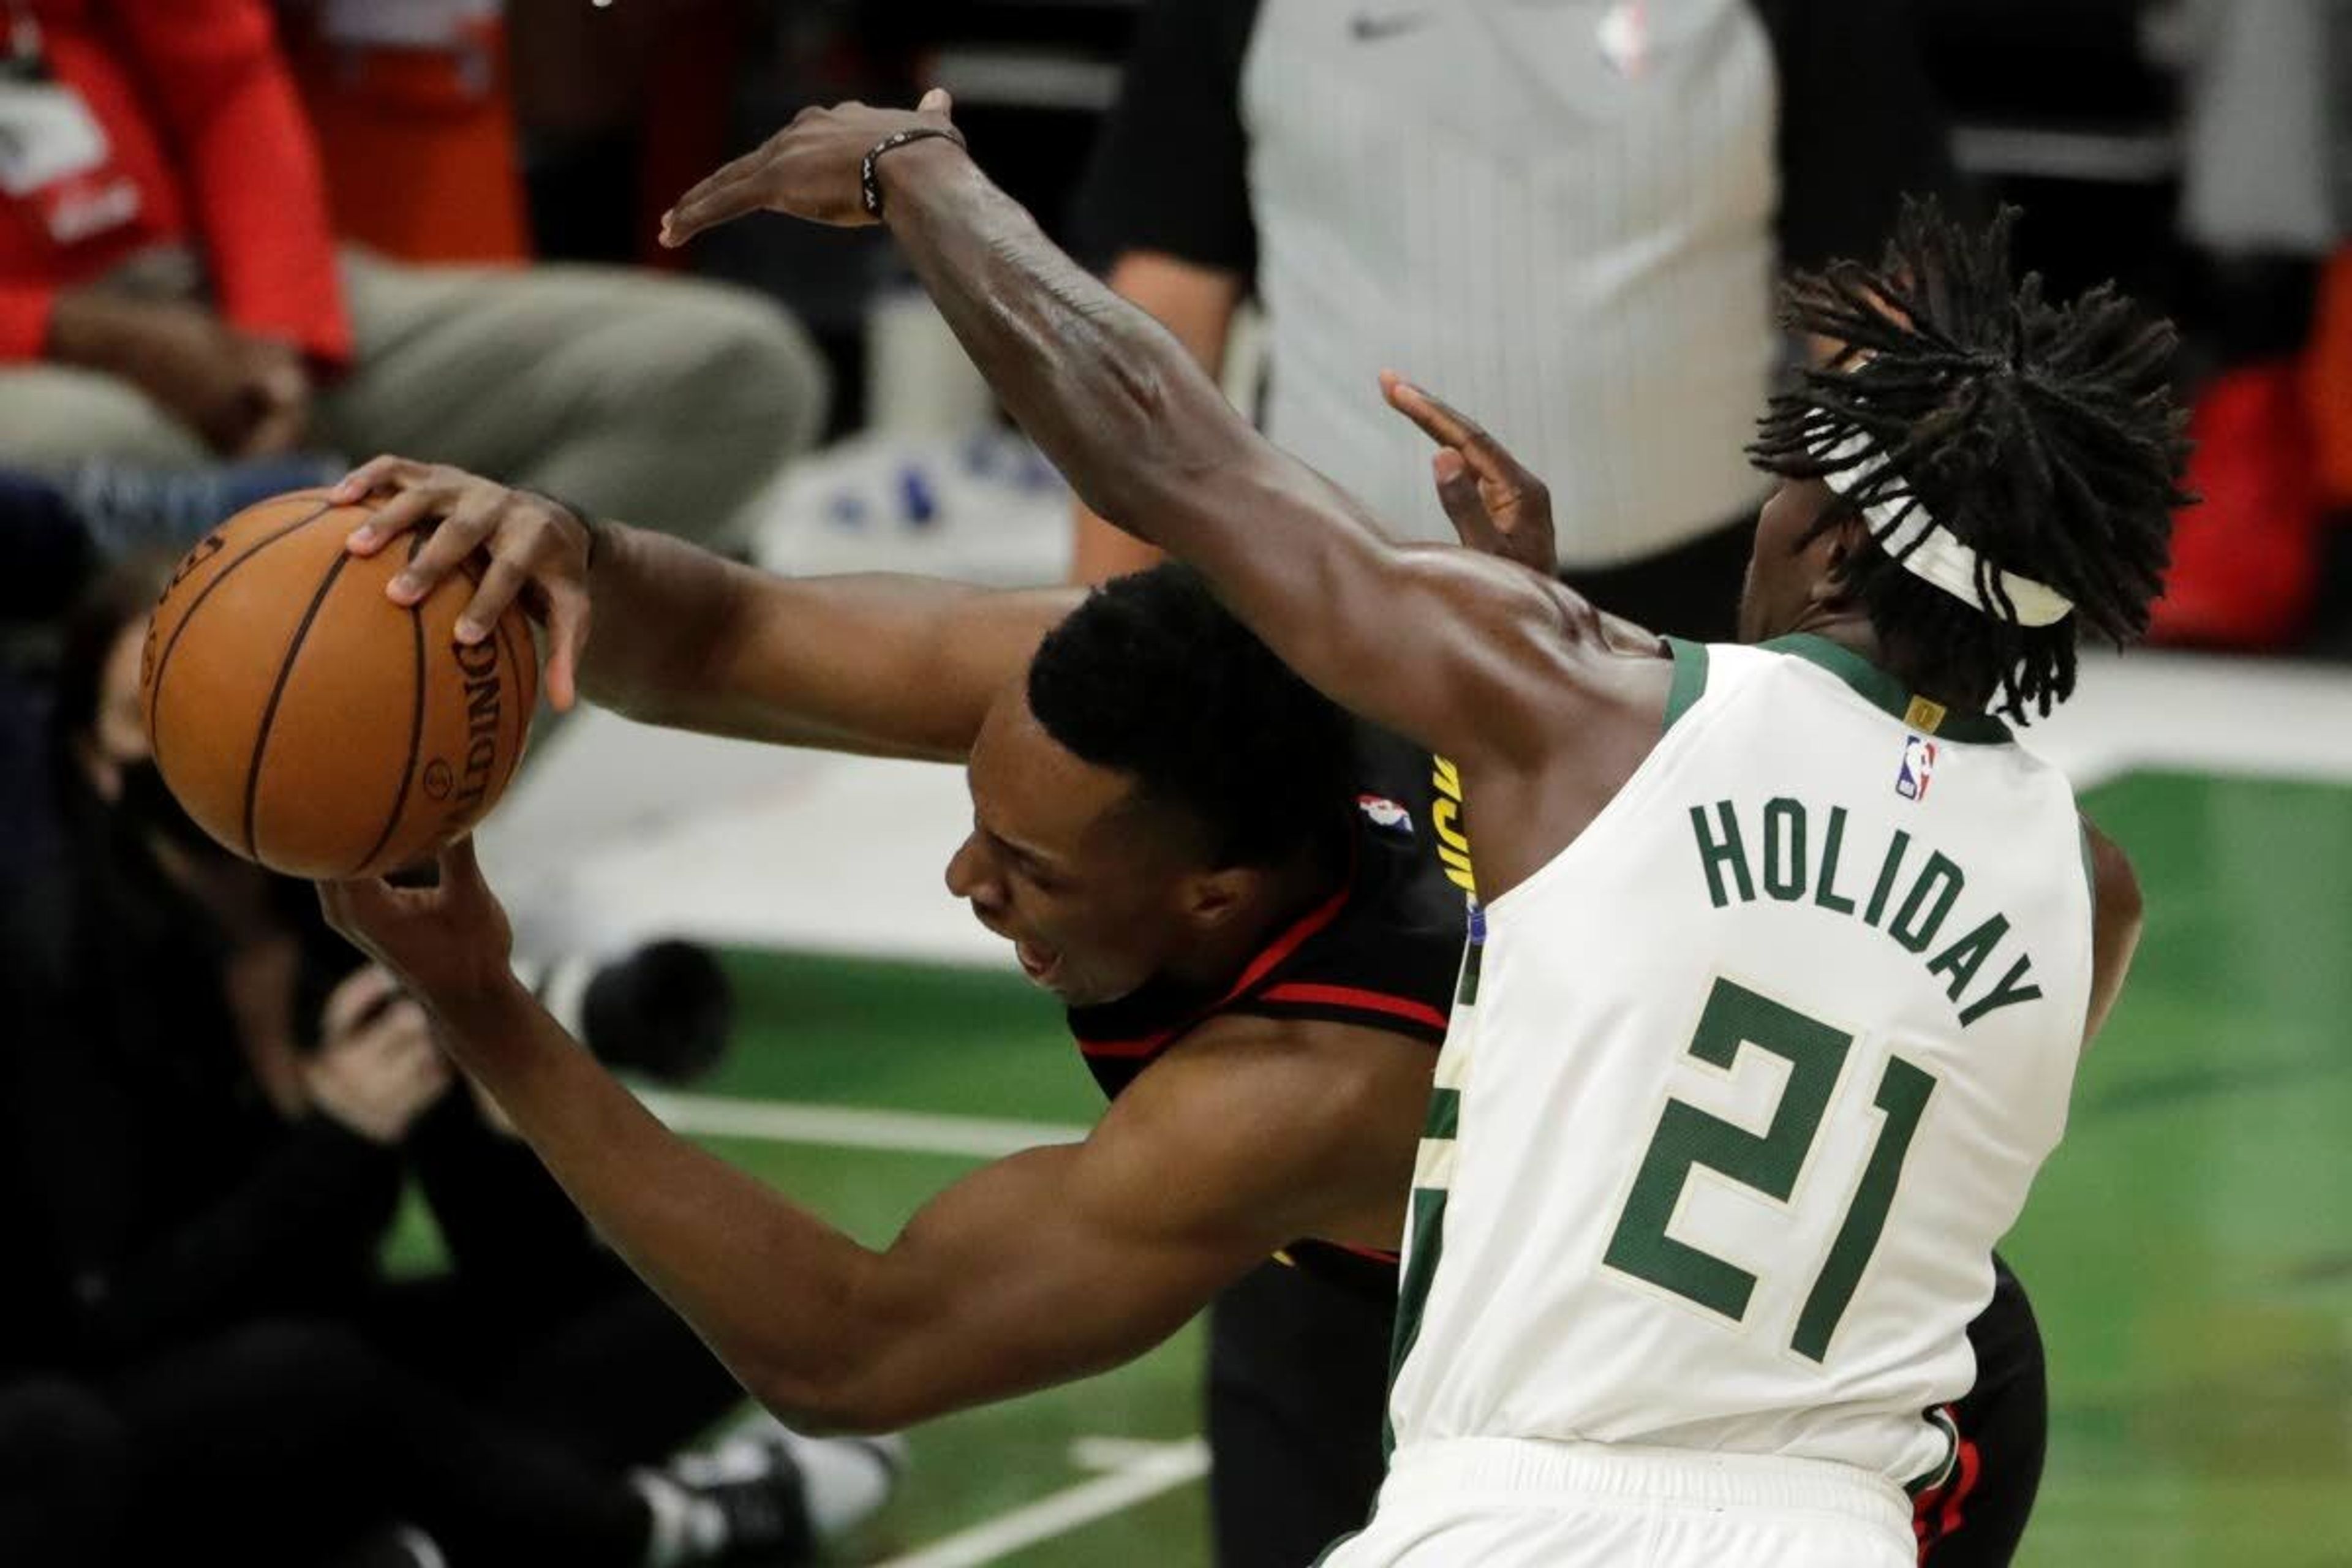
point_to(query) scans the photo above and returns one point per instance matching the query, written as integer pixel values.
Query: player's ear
(1209, 898)
(1837, 547)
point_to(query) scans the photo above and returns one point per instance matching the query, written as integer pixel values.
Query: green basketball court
(2190, 1249)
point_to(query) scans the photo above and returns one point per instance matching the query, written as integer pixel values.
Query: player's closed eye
(1048, 885)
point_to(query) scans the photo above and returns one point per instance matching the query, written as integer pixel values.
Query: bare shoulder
(1575, 654)
(1581, 709)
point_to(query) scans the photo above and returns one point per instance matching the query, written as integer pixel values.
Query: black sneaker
(766, 1514)
(394, 1546)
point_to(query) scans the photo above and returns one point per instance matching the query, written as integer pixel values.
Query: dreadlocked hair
(2045, 438)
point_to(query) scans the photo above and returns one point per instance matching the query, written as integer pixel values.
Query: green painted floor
(2189, 1247)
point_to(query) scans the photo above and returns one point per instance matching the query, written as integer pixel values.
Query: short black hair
(2046, 437)
(1153, 677)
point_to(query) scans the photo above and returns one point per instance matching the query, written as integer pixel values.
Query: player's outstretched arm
(1044, 1267)
(884, 664)
(1458, 651)
(671, 634)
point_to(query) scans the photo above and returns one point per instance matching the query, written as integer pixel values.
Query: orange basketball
(310, 724)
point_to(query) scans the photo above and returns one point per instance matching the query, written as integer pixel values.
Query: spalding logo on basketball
(310, 724)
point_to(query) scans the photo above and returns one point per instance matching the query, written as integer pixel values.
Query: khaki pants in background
(663, 402)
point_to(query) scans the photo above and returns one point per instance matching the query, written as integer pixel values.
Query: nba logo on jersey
(1624, 36)
(1918, 767)
(1385, 813)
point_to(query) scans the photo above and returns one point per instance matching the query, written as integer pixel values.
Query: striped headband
(1927, 550)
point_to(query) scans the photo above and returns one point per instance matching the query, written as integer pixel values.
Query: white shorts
(1498, 1502)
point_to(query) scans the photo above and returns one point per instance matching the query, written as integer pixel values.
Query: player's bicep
(1046, 1266)
(1058, 1263)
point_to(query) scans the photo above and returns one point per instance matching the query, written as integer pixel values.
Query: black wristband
(866, 186)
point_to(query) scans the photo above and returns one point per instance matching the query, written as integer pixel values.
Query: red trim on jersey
(1274, 953)
(1349, 997)
(1375, 1254)
(1935, 1514)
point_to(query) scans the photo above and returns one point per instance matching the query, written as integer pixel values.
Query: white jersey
(1745, 1084)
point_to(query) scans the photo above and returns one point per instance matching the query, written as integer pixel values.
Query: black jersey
(1381, 951)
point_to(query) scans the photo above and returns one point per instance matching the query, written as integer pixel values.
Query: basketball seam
(415, 733)
(277, 690)
(163, 659)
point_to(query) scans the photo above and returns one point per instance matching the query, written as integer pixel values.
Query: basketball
(308, 722)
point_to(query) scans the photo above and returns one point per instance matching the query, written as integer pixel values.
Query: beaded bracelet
(868, 188)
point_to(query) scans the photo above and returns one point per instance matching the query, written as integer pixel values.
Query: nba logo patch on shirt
(1624, 36)
(1918, 767)
(1386, 815)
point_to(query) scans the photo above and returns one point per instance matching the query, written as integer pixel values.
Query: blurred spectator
(1566, 217)
(413, 109)
(170, 290)
(60, 533)
(208, 1112)
(63, 527)
(537, 118)
(2265, 200)
(51, 549)
(618, 114)
(62, 1473)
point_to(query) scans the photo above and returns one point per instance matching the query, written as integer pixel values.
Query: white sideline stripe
(850, 1127)
(1113, 1453)
(1162, 1467)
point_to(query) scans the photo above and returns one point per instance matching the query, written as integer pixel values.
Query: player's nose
(972, 875)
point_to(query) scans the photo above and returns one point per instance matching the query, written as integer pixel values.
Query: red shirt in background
(201, 115)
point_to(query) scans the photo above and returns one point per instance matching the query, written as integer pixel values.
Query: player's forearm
(771, 1288)
(1149, 443)
(1197, 304)
(661, 608)
(1143, 435)
(883, 665)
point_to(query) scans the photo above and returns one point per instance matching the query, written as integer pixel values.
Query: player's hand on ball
(448, 944)
(814, 168)
(377, 1069)
(537, 551)
(1496, 506)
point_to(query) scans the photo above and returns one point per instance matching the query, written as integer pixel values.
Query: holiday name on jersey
(1797, 855)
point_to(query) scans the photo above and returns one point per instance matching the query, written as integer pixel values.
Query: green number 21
(1687, 1136)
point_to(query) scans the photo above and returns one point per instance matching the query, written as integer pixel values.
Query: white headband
(1927, 550)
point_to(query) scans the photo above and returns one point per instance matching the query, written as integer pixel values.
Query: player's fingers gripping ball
(308, 722)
